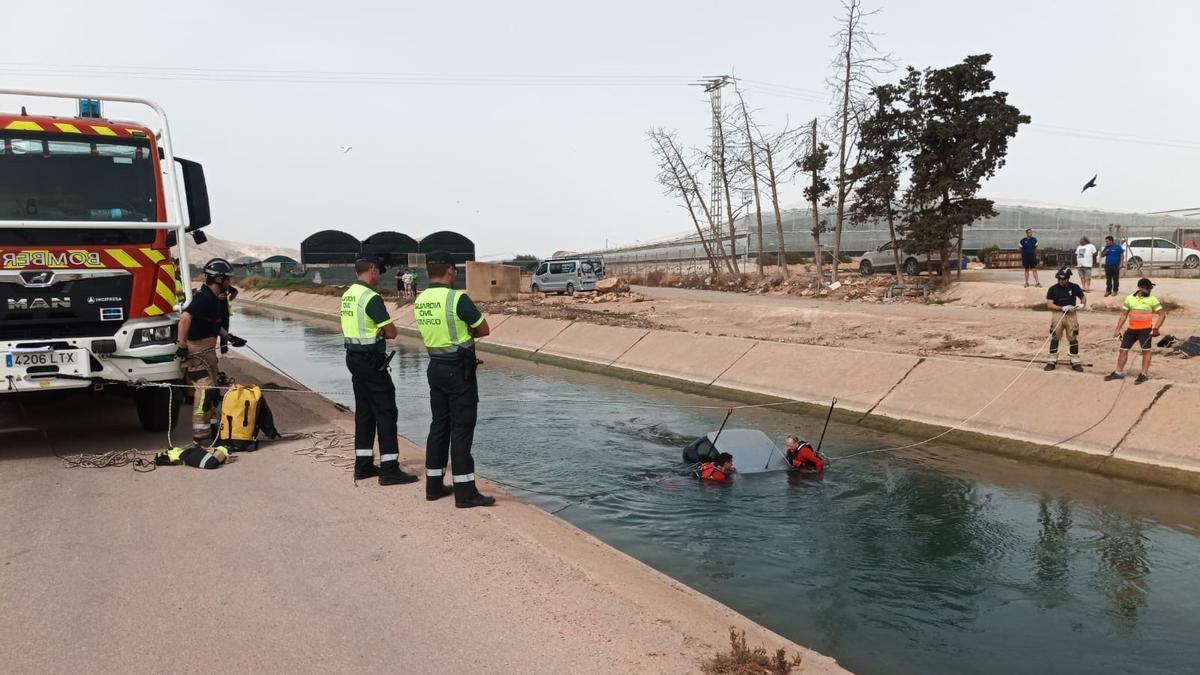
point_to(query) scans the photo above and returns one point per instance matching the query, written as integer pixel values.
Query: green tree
(882, 143)
(958, 133)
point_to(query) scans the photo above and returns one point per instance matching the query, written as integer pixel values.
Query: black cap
(1145, 283)
(374, 260)
(439, 258)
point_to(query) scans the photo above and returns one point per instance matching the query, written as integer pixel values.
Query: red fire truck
(90, 210)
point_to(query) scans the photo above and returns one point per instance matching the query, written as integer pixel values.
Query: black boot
(434, 490)
(467, 496)
(390, 473)
(364, 468)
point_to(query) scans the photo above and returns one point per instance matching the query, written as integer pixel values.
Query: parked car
(564, 276)
(883, 260)
(1158, 252)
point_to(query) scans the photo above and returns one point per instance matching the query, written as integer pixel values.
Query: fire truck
(90, 211)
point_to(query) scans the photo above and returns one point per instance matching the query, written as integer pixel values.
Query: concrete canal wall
(1143, 432)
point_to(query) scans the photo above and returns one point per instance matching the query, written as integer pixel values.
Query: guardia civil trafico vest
(360, 331)
(436, 312)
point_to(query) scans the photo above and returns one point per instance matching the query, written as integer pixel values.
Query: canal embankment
(1139, 432)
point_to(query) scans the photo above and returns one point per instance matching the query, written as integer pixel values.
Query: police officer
(450, 323)
(202, 322)
(366, 326)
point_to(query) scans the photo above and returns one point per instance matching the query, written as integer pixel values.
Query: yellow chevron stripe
(68, 127)
(153, 310)
(122, 257)
(165, 292)
(103, 131)
(153, 255)
(24, 125)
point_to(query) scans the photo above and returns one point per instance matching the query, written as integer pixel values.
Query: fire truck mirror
(196, 192)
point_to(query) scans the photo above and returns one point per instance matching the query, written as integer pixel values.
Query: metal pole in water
(826, 427)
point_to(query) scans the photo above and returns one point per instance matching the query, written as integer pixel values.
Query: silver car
(564, 276)
(883, 260)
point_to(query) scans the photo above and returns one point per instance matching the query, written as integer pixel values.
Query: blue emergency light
(89, 107)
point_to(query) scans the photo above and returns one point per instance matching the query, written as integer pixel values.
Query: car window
(569, 268)
(1163, 243)
(541, 269)
(586, 267)
(886, 247)
(556, 268)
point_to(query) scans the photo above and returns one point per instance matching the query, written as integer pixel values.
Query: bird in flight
(1090, 184)
(346, 148)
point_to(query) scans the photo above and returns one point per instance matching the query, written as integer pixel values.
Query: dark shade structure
(391, 246)
(330, 247)
(455, 244)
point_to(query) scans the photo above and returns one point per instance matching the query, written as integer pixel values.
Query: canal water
(936, 560)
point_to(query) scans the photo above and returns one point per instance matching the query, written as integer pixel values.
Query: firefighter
(719, 471)
(801, 455)
(366, 327)
(450, 323)
(201, 324)
(1066, 297)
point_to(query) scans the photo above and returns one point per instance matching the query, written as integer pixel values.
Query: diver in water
(719, 471)
(803, 458)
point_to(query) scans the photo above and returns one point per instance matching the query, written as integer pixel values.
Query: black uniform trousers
(1112, 278)
(374, 406)
(454, 402)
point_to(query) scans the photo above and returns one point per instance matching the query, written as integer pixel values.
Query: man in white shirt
(408, 284)
(1085, 259)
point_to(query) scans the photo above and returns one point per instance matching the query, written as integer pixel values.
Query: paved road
(278, 563)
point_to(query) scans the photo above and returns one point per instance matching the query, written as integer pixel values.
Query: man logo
(22, 304)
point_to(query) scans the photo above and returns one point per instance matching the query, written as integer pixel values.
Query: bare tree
(678, 179)
(814, 163)
(780, 145)
(754, 177)
(727, 170)
(856, 64)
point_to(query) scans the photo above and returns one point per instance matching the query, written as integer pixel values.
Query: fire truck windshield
(68, 177)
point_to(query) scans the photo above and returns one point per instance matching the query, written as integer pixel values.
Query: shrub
(742, 660)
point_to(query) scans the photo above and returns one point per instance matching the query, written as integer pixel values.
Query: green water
(937, 560)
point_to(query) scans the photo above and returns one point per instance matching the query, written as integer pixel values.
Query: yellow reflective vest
(359, 330)
(436, 312)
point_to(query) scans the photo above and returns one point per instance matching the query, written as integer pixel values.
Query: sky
(522, 124)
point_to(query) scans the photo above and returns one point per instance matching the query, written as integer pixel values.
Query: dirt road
(279, 563)
(990, 315)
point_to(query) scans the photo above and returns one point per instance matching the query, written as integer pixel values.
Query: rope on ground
(973, 415)
(142, 461)
(323, 446)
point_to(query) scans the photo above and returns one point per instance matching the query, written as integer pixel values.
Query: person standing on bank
(1085, 260)
(366, 327)
(1114, 259)
(1029, 259)
(450, 323)
(1061, 300)
(202, 323)
(1146, 316)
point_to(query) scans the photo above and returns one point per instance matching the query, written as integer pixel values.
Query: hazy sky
(533, 168)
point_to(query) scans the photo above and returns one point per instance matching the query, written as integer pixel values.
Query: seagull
(346, 148)
(1090, 184)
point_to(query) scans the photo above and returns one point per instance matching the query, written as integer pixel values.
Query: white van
(564, 276)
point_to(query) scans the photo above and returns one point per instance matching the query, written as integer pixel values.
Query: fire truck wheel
(157, 409)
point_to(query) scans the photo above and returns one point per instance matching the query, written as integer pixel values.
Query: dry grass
(742, 660)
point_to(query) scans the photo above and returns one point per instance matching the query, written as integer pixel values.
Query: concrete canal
(935, 560)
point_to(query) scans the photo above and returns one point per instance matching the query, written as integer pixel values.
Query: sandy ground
(280, 563)
(989, 315)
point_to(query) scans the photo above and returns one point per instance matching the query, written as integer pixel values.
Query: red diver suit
(807, 459)
(710, 471)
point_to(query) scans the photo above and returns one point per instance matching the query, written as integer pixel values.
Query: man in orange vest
(719, 471)
(1146, 316)
(801, 455)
